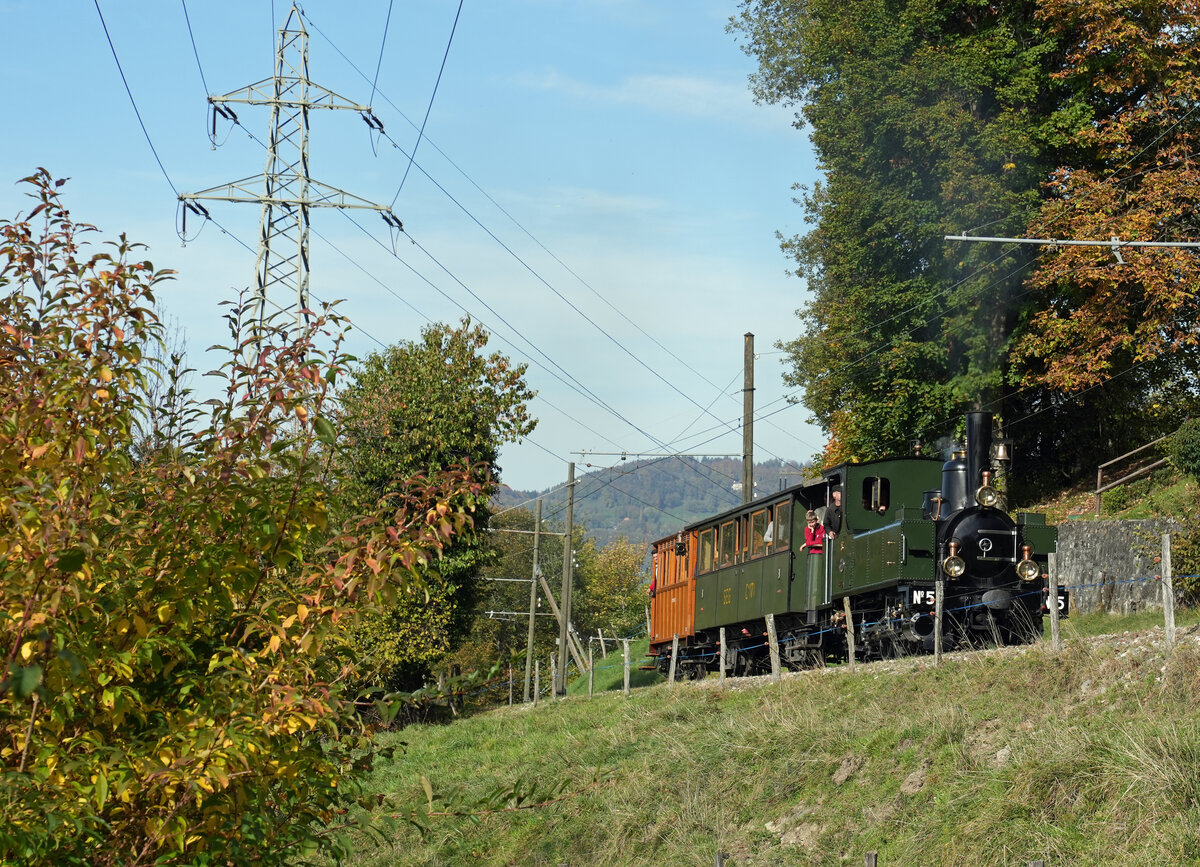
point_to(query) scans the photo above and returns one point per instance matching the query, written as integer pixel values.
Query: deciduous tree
(932, 119)
(169, 695)
(424, 406)
(1134, 70)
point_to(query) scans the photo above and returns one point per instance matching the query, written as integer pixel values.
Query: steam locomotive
(907, 523)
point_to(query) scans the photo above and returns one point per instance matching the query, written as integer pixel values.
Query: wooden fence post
(510, 686)
(1052, 603)
(674, 658)
(849, 631)
(625, 645)
(939, 605)
(1168, 592)
(722, 664)
(554, 678)
(537, 680)
(871, 859)
(603, 648)
(773, 648)
(591, 672)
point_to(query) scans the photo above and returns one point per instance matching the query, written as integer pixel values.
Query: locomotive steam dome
(954, 483)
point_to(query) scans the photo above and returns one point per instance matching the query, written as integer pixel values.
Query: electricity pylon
(288, 192)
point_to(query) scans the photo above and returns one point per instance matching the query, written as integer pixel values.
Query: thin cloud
(686, 95)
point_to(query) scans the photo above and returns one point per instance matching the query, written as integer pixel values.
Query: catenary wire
(428, 108)
(519, 226)
(132, 101)
(382, 45)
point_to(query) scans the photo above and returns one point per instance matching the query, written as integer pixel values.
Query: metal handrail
(1101, 487)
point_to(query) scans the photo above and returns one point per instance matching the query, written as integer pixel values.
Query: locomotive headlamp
(954, 566)
(1027, 570)
(987, 496)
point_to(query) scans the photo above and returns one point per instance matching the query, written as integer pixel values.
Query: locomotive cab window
(758, 530)
(707, 549)
(782, 531)
(876, 494)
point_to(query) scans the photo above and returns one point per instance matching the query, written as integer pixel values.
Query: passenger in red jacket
(814, 534)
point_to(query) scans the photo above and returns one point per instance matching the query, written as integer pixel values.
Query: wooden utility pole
(748, 419)
(1052, 601)
(533, 588)
(773, 647)
(625, 653)
(564, 632)
(939, 605)
(575, 647)
(850, 649)
(1168, 593)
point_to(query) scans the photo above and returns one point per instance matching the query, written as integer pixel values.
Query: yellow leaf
(28, 649)
(302, 612)
(140, 625)
(274, 643)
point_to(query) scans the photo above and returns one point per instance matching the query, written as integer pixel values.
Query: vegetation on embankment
(997, 757)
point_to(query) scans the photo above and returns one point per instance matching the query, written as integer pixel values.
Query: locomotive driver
(833, 515)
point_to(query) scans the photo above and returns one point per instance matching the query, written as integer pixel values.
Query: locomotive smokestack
(979, 449)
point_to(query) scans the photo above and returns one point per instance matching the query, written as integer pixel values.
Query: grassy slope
(1165, 492)
(1088, 757)
(1092, 756)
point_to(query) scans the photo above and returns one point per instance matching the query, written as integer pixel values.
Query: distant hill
(646, 500)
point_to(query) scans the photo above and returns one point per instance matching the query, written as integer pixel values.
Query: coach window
(758, 529)
(783, 526)
(876, 494)
(727, 542)
(707, 541)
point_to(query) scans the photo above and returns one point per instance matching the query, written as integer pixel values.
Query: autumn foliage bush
(170, 694)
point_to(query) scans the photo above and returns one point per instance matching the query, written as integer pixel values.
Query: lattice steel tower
(288, 192)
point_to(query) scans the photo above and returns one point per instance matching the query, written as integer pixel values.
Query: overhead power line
(132, 101)
(428, 108)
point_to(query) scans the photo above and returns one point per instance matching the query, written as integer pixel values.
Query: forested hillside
(646, 500)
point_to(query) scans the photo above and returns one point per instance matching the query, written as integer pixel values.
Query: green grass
(1163, 492)
(1091, 756)
(1104, 623)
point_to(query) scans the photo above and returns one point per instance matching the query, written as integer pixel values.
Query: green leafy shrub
(421, 406)
(1184, 448)
(170, 696)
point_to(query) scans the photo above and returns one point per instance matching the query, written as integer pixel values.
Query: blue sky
(625, 165)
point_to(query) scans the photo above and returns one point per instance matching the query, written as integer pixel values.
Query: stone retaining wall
(1110, 565)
